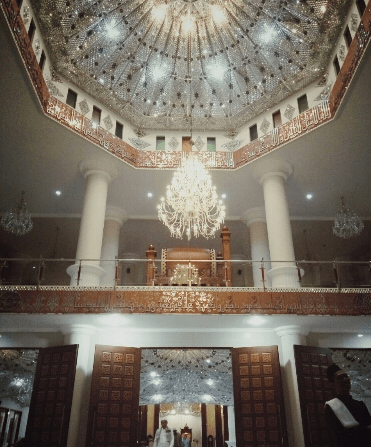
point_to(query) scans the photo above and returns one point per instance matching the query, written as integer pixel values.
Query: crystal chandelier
(18, 221)
(347, 223)
(191, 204)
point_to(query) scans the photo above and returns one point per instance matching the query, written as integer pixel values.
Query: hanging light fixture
(191, 204)
(18, 221)
(347, 223)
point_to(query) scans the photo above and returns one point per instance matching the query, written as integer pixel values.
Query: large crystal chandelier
(191, 204)
(18, 221)
(347, 223)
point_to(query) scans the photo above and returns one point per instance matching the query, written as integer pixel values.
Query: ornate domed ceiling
(205, 64)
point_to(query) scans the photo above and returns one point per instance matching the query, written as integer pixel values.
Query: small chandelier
(347, 223)
(191, 204)
(18, 221)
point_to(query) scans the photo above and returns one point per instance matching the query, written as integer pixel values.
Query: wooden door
(114, 397)
(258, 397)
(314, 391)
(51, 399)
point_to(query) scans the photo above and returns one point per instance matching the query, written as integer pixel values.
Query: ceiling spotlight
(323, 8)
(149, 194)
(158, 72)
(360, 335)
(157, 397)
(208, 360)
(224, 196)
(309, 196)
(210, 382)
(58, 193)
(159, 12)
(153, 374)
(156, 382)
(206, 397)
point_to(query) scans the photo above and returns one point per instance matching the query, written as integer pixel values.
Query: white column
(231, 427)
(256, 221)
(290, 336)
(79, 334)
(272, 174)
(98, 172)
(115, 217)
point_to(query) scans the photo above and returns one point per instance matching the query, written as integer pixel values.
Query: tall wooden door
(314, 391)
(258, 397)
(51, 399)
(114, 397)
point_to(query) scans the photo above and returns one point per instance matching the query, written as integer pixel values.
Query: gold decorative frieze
(184, 300)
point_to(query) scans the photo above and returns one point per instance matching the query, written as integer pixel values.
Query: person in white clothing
(164, 436)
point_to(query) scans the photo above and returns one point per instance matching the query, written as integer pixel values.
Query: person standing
(164, 436)
(349, 419)
(177, 438)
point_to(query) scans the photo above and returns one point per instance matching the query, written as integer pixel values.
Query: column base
(90, 275)
(231, 443)
(285, 277)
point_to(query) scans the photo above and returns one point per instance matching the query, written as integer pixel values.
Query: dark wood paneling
(51, 400)
(203, 424)
(156, 423)
(258, 397)
(314, 391)
(114, 397)
(225, 421)
(218, 427)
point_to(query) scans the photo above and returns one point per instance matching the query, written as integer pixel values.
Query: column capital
(254, 215)
(116, 213)
(84, 329)
(99, 165)
(291, 330)
(267, 167)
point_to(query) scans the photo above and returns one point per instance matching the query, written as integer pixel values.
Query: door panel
(314, 391)
(258, 397)
(51, 400)
(114, 397)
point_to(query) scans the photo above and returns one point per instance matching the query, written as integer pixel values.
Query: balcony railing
(135, 272)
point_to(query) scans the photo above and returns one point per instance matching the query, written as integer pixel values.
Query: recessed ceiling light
(309, 196)
(360, 335)
(153, 374)
(156, 382)
(58, 193)
(208, 360)
(149, 194)
(210, 382)
(224, 196)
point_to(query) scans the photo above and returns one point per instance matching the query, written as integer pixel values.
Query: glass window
(303, 103)
(96, 115)
(361, 6)
(119, 130)
(211, 144)
(336, 65)
(253, 132)
(31, 30)
(42, 60)
(347, 36)
(71, 98)
(160, 143)
(277, 119)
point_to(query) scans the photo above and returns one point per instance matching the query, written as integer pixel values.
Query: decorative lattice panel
(259, 407)
(51, 399)
(114, 398)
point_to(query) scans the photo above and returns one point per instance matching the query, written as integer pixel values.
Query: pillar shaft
(255, 220)
(98, 174)
(231, 427)
(272, 174)
(79, 335)
(290, 336)
(115, 217)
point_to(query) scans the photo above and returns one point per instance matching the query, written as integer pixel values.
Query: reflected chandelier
(191, 204)
(18, 221)
(347, 223)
